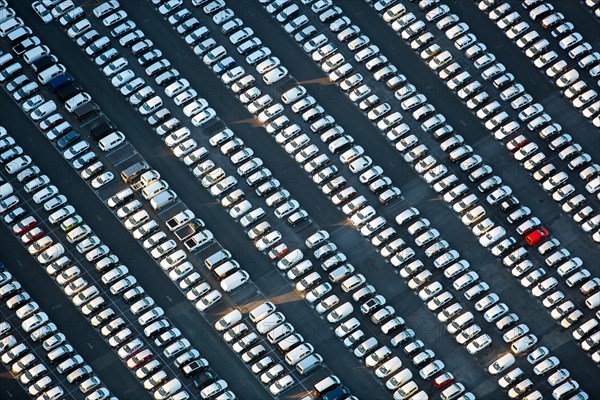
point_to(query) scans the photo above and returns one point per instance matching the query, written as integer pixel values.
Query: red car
(516, 143)
(139, 358)
(443, 380)
(536, 236)
(32, 235)
(51, 122)
(278, 251)
(24, 225)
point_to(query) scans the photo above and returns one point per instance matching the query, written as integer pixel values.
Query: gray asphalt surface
(306, 192)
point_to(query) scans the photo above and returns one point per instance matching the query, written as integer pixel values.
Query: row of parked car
(293, 95)
(298, 144)
(121, 272)
(268, 113)
(296, 95)
(564, 31)
(258, 104)
(33, 373)
(153, 189)
(149, 177)
(270, 323)
(272, 200)
(478, 213)
(538, 235)
(216, 56)
(178, 138)
(51, 122)
(594, 7)
(496, 119)
(372, 305)
(435, 11)
(550, 184)
(560, 256)
(87, 296)
(574, 89)
(186, 148)
(154, 243)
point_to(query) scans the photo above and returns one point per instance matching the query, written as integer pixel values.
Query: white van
(228, 320)
(400, 378)
(168, 389)
(163, 199)
(10, 71)
(217, 258)
(77, 101)
(299, 353)
(46, 75)
(262, 311)
(51, 253)
(460, 322)
(275, 75)
(271, 322)
(155, 188)
(593, 301)
(326, 384)
(235, 280)
(290, 342)
(34, 54)
(9, 25)
(584, 329)
(120, 197)
(279, 333)
(407, 390)
(225, 269)
(19, 33)
(5, 190)
(310, 363)
(111, 141)
(565, 389)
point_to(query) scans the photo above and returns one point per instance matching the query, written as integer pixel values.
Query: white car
(102, 179)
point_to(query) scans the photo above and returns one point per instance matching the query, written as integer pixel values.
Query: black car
(86, 111)
(43, 62)
(68, 91)
(206, 378)
(25, 45)
(102, 129)
(67, 139)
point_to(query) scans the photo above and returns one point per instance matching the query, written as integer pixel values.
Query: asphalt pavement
(269, 281)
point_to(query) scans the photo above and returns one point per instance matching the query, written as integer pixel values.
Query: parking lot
(383, 149)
